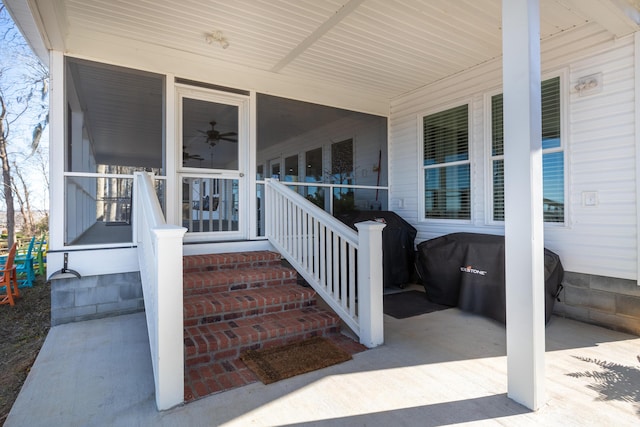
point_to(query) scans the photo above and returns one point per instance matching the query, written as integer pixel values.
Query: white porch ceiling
(353, 54)
(382, 48)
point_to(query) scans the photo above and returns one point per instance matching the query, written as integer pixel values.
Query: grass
(23, 328)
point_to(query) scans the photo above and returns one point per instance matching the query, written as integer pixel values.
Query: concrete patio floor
(436, 369)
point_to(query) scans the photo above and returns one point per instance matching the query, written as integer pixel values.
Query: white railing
(343, 267)
(160, 258)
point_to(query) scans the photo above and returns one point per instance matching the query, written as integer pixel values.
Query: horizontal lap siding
(602, 239)
(600, 151)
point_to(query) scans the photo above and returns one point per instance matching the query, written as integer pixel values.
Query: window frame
(564, 147)
(421, 168)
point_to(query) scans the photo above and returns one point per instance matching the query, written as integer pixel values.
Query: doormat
(275, 364)
(408, 304)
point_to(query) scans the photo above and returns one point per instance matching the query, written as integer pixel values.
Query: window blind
(446, 164)
(552, 153)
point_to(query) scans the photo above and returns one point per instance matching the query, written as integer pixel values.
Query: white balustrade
(343, 266)
(160, 258)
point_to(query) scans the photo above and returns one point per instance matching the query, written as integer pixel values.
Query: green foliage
(343, 202)
(317, 199)
(42, 226)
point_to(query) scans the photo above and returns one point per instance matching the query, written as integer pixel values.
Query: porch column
(524, 254)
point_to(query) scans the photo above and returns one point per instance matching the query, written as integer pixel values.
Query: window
(446, 164)
(291, 169)
(552, 154)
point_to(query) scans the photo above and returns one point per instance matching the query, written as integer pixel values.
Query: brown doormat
(278, 363)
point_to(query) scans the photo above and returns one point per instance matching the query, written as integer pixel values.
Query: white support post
(636, 62)
(370, 285)
(170, 372)
(524, 254)
(57, 109)
(171, 156)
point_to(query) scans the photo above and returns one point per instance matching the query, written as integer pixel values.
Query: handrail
(342, 266)
(329, 185)
(160, 258)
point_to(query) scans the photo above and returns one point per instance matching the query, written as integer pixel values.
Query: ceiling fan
(214, 136)
(186, 157)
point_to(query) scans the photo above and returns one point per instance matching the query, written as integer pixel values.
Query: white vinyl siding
(598, 143)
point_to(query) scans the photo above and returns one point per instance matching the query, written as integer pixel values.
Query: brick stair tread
(214, 262)
(205, 379)
(239, 334)
(200, 281)
(232, 304)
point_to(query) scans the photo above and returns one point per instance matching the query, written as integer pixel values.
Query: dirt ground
(23, 329)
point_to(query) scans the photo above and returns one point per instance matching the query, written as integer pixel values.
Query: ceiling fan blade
(229, 134)
(228, 139)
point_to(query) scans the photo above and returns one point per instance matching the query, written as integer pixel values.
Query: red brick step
(226, 280)
(241, 301)
(219, 306)
(225, 340)
(239, 260)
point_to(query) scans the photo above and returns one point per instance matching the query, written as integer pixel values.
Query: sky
(21, 134)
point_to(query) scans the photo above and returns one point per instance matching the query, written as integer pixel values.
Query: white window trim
(564, 147)
(468, 101)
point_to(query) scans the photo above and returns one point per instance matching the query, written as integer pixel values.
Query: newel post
(370, 285)
(170, 343)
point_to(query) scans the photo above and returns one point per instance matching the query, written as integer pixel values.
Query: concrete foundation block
(92, 297)
(98, 295)
(616, 322)
(577, 297)
(576, 280)
(577, 313)
(605, 301)
(602, 301)
(616, 286)
(628, 306)
(121, 307)
(75, 314)
(62, 299)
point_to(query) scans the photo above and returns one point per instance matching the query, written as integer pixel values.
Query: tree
(24, 88)
(22, 193)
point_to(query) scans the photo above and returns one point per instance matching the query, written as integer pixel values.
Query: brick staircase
(240, 301)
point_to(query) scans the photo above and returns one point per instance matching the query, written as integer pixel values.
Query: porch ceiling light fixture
(216, 36)
(589, 84)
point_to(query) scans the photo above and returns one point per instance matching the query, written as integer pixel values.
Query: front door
(212, 166)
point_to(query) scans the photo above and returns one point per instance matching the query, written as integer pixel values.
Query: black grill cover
(398, 253)
(467, 270)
